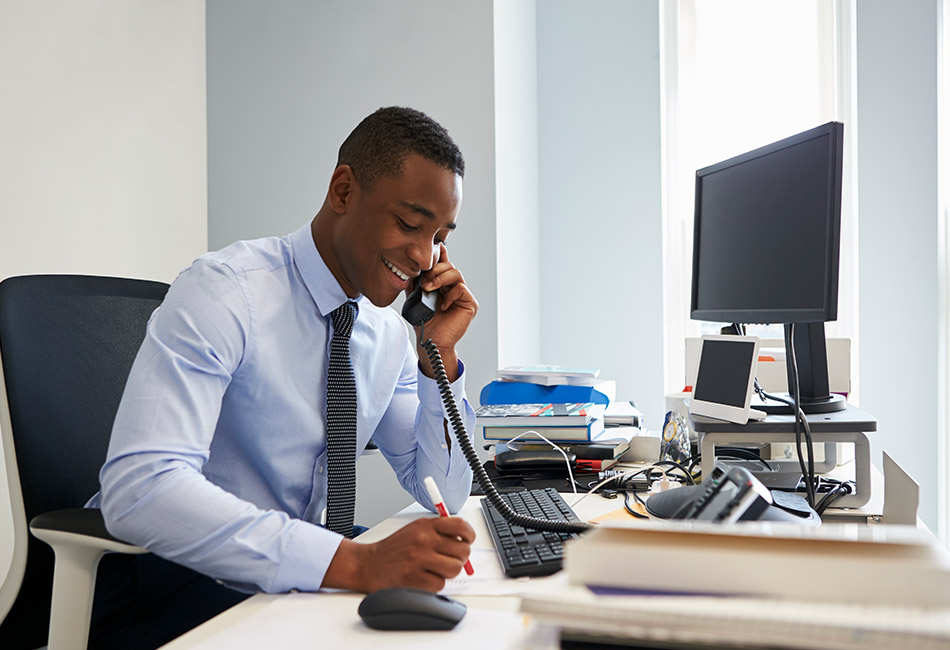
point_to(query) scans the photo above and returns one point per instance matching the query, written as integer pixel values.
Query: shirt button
(444, 446)
(320, 469)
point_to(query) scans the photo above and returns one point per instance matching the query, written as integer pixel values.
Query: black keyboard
(525, 551)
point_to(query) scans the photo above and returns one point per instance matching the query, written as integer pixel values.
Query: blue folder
(519, 392)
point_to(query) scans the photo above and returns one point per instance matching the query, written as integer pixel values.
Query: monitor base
(831, 404)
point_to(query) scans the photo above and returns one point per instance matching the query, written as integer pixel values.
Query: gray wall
(288, 81)
(601, 222)
(558, 205)
(897, 226)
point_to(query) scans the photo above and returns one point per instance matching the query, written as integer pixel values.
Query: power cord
(567, 461)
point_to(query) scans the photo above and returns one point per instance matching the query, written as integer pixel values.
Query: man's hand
(457, 307)
(423, 554)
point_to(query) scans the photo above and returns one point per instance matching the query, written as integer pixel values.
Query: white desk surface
(330, 620)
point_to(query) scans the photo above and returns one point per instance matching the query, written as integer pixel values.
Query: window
(739, 74)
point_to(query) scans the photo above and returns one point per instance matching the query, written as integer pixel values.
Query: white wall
(601, 221)
(102, 144)
(102, 157)
(897, 225)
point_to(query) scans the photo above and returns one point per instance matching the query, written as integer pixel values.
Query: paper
(307, 620)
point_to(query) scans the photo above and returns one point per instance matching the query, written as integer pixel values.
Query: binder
(520, 392)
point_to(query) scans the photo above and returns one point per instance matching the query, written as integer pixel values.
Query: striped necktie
(341, 425)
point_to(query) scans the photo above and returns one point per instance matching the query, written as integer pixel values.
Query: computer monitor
(766, 240)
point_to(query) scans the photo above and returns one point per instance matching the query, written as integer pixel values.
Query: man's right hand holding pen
(422, 554)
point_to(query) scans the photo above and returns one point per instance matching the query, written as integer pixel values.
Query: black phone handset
(420, 306)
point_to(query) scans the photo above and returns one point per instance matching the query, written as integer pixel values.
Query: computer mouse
(404, 608)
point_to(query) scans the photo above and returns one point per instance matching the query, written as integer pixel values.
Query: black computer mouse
(403, 608)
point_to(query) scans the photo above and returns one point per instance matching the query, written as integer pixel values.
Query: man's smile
(402, 276)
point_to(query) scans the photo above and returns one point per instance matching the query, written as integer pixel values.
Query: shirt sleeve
(412, 436)
(153, 491)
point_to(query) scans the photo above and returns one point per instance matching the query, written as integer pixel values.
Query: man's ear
(343, 187)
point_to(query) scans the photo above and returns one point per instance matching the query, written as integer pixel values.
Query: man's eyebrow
(424, 211)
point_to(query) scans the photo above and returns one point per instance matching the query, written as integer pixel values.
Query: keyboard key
(525, 551)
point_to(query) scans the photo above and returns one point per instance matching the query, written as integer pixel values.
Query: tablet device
(725, 377)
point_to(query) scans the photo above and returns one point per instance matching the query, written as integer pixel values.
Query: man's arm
(153, 491)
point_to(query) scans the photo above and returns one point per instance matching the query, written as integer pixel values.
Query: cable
(846, 487)
(742, 454)
(567, 461)
(629, 508)
(679, 466)
(458, 427)
(800, 418)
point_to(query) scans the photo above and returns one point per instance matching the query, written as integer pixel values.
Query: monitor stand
(811, 354)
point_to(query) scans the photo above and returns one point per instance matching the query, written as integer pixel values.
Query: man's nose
(425, 254)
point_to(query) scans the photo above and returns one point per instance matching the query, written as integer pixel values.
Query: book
(504, 391)
(623, 414)
(595, 464)
(715, 622)
(575, 414)
(593, 450)
(883, 564)
(571, 433)
(550, 375)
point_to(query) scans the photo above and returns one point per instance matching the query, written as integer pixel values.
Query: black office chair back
(67, 344)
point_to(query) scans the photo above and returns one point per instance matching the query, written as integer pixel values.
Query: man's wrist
(346, 570)
(450, 362)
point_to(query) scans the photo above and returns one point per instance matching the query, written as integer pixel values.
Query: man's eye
(406, 226)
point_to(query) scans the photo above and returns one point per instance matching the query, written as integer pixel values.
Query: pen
(436, 497)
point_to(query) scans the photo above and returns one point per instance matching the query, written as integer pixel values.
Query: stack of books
(575, 422)
(600, 453)
(570, 407)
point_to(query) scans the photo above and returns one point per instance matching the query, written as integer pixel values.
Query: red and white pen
(439, 504)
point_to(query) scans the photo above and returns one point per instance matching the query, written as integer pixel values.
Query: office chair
(66, 347)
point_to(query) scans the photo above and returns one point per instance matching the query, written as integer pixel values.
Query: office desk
(330, 620)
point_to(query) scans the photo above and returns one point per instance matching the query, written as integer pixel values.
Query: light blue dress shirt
(218, 454)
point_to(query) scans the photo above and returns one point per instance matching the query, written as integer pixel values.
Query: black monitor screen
(724, 369)
(766, 233)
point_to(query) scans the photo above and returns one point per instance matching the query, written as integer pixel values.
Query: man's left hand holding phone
(456, 307)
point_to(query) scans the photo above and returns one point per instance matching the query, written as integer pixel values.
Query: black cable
(629, 508)
(839, 491)
(679, 466)
(800, 418)
(742, 454)
(458, 426)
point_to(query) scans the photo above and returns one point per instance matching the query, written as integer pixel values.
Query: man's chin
(382, 299)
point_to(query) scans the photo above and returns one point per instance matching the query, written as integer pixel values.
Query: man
(219, 455)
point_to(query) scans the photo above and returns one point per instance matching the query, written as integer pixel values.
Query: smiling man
(219, 458)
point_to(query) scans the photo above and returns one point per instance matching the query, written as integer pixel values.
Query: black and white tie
(341, 425)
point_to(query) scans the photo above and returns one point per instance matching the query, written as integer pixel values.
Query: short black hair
(380, 143)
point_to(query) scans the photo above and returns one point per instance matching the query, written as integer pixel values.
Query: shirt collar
(323, 287)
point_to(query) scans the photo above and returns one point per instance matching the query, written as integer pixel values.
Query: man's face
(391, 234)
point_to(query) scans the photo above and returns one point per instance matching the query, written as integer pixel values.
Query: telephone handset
(420, 306)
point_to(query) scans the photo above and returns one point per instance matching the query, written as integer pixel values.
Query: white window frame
(943, 273)
(840, 96)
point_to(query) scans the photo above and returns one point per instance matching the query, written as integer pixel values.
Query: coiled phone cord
(458, 426)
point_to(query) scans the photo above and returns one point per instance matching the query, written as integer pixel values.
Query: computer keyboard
(525, 551)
